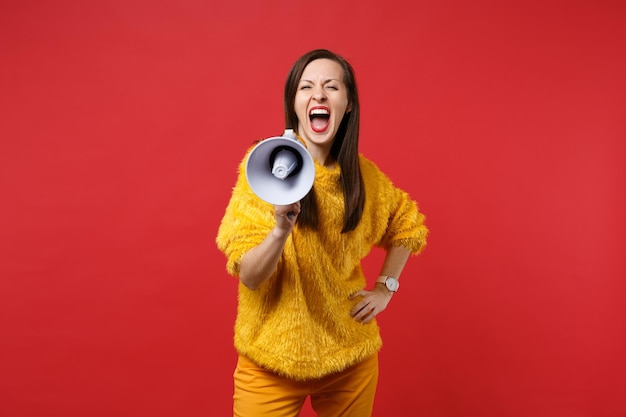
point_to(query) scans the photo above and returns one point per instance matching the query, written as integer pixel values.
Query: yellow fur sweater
(298, 323)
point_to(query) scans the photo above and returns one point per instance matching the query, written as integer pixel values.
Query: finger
(369, 317)
(355, 310)
(362, 310)
(358, 308)
(365, 315)
(360, 293)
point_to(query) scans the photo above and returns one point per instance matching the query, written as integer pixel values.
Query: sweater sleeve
(246, 222)
(406, 226)
(399, 215)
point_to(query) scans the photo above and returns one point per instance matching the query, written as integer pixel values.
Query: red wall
(121, 126)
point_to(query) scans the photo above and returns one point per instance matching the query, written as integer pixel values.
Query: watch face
(392, 284)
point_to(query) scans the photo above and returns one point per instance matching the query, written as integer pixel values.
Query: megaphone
(280, 170)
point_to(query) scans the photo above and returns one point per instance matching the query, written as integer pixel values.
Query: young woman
(305, 322)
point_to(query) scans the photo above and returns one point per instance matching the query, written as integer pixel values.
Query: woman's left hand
(374, 301)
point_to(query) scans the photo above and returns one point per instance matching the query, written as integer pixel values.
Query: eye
(332, 87)
(305, 87)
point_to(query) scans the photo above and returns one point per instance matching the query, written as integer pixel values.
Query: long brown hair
(345, 148)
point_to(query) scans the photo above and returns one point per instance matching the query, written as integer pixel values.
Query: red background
(122, 123)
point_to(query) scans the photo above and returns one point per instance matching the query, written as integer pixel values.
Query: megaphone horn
(285, 162)
(280, 170)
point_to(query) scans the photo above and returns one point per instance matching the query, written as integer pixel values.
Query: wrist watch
(391, 283)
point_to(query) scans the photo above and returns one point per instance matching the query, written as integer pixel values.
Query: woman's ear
(349, 108)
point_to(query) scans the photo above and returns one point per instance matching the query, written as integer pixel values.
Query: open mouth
(319, 118)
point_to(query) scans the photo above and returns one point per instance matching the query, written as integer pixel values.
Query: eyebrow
(325, 81)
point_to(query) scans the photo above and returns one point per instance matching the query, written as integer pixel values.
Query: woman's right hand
(286, 216)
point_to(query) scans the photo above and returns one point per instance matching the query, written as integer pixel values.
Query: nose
(319, 95)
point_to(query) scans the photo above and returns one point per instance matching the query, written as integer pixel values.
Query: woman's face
(321, 102)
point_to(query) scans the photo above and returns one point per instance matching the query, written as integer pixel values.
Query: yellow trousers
(262, 393)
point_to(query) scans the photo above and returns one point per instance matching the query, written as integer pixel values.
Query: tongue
(319, 123)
